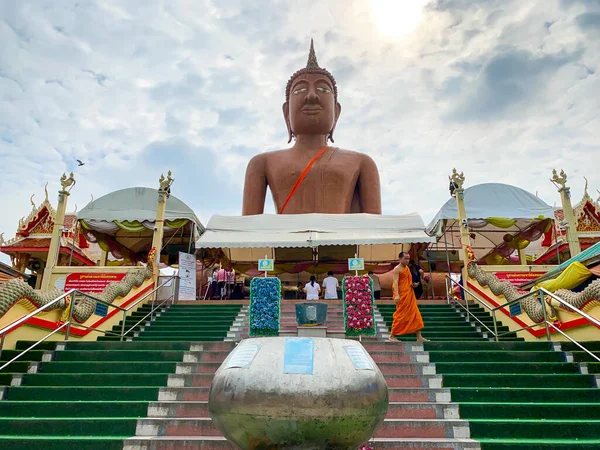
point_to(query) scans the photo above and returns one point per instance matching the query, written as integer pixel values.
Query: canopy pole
(73, 241)
(191, 235)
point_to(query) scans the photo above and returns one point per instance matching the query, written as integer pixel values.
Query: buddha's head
(311, 105)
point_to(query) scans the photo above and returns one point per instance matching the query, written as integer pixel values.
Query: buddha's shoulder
(357, 156)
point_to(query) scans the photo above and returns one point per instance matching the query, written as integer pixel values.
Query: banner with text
(187, 276)
(518, 278)
(91, 282)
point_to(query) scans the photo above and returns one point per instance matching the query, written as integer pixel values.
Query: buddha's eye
(324, 90)
(299, 91)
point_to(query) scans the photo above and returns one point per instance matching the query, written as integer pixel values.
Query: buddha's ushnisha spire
(312, 66)
(312, 63)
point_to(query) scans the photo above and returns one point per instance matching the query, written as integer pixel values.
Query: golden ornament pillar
(103, 258)
(59, 220)
(159, 224)
(457, 180)
(560, 181)
(522, 257)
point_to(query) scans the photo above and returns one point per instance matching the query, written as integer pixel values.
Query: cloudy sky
(502, 90)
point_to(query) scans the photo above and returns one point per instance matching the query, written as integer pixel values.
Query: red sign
(91, 282)
(518, 278)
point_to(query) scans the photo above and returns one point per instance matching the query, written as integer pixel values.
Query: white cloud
(504, 91)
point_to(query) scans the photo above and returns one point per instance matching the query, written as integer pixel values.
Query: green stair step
(16, 442)
(555, 411)
(183, 339)
(93, 379)
(142, 367)
(24, 345)
(488, 345)
(558, 381)
(584, 357)
(540, 444)
(483, 356)
(119, 355)
(17, 366)
(524, 395)
(131, 345)
(52, 408)
(580, 428)
(593, 346)
(506, 368)
(89, 393)
(32, 355)
(69, 426)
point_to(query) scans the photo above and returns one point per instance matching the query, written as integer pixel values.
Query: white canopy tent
(496, 213)
(123, 221)
(374, 237)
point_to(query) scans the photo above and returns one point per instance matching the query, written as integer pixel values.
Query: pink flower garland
(359, 302)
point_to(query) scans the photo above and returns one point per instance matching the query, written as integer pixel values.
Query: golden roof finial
(1, 238)
(46, 191)
(559, 180)
(165, 183)
(457, 179)
(67, 182)
(31, 201)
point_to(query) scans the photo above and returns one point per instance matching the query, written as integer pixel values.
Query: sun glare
(396, 17)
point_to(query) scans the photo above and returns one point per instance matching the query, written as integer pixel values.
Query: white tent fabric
(137, 203)
(493, 200)
(484, 201)
(311, 230)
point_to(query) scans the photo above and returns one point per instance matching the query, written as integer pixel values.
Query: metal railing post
(543, 304)
(123, 326)
(72, 307)
(447, 292)
(495, 325)
(2, 343)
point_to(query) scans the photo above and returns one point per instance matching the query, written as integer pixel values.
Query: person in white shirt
(330, 284)
(312, 289)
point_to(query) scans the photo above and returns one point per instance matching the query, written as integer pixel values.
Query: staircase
(449, 393)
(420, 414)
(515, 395)
(91, 394)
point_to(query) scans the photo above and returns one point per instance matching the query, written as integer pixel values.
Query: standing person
(221, 281)
(417, 273)
(376, 285)
(331, 285)
(407, 318)
(312, 289)
(213, 283)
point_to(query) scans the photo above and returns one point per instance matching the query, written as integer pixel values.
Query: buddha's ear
(338, 111)
(286, 117)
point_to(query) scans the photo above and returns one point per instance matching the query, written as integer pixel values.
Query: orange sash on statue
(301, 178)
(407, 318)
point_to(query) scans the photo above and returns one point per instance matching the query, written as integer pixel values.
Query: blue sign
(266, 265)
(299, 355)
(356, 264)
(515, 309)
(101, 309)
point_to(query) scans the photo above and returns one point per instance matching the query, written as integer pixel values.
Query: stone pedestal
(318, 331)
(298, 393)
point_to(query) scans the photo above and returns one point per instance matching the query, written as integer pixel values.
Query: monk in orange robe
(407, 318)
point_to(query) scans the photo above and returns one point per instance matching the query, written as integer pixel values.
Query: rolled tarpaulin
(575, 274)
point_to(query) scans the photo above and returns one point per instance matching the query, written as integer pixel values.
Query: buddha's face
(312, 108)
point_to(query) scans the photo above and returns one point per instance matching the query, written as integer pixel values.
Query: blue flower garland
(265, 297)
(359, 297)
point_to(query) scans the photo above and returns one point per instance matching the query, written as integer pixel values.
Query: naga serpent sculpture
(583, 300)
(17, 290)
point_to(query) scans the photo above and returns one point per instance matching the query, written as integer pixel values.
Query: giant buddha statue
(312, 176)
